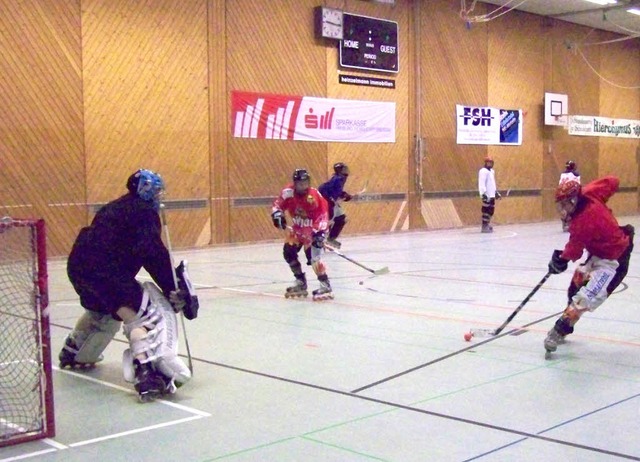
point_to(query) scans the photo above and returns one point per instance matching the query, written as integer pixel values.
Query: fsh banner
(488, 125)
(305, 118)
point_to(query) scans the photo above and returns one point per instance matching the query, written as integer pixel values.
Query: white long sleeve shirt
(566, 176)
(487, 182)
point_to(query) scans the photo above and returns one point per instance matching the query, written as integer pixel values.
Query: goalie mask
(148, 185)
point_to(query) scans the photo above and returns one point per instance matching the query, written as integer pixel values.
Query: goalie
(124, 237)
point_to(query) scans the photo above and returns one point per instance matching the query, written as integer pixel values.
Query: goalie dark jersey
(124, 236)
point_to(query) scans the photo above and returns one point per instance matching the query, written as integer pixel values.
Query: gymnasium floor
(381, 373)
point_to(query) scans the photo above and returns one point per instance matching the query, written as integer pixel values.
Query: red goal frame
(46, 426)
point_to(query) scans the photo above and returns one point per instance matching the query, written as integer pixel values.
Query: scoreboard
(369, 43)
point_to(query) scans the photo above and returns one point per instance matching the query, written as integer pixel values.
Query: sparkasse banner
(306, 118)
(488, 125)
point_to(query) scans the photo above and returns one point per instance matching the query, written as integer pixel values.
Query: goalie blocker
(192, 304)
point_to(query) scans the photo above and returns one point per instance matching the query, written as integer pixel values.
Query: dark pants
(101, 293)
(488, 208)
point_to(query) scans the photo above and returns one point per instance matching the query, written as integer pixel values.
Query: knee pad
(160, 343)
(290, 253)
(93, 332)
(319, 267)
(340, 220)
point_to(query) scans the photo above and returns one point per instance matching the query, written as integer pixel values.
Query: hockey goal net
(26, 386)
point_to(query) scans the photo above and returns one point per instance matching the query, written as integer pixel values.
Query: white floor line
(128, 390)
(137, 430)
(29, 455)
(58, 446)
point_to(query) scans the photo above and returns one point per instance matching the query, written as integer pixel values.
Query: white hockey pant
(598, 273)
(160, 344)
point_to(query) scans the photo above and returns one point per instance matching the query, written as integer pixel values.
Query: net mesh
(23, 384)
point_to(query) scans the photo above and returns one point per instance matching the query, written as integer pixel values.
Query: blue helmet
(146, 184)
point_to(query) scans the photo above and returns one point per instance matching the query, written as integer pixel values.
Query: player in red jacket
(592, 228)
(309, 215)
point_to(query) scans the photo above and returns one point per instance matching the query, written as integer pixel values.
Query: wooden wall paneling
(271, 50)
(620, 99)
(383, 167)
(146, 102)
(219, 116)
(566, 72)
(516, 81)
(454, 70)
(41, 142)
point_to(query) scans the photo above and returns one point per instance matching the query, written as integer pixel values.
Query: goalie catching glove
(557, 264)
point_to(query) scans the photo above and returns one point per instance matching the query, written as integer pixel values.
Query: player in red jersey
(592, 228)
(309, 215)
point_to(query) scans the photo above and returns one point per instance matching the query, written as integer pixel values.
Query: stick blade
(381, 271)
(483, 333)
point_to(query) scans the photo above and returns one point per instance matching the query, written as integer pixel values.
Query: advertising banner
(305, 118)
(601, 126)
(488, 125)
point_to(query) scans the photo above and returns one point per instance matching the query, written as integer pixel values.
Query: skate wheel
(295, 295)
(322, 297)
(149, 397)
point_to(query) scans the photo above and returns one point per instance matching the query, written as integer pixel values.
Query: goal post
(26, 382)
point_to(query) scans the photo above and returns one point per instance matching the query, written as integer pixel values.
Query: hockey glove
(191, 302)
(557, 264)
(498, 195)
(318, 239)
(485, 200)
(345, 196)
(178, 300)
(279, 220)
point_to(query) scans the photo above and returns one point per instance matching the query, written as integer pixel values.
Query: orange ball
(468, 336)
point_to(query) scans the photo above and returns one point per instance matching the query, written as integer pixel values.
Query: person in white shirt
(488, 193)
(570, 173)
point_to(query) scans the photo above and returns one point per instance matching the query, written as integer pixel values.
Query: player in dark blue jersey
(333, 191)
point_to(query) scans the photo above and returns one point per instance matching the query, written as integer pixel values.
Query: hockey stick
(494, 332)
(364, 189)
(379, 272)
(175, 283)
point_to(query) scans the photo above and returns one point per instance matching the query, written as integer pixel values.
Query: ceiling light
(602, 2)
(634, 11)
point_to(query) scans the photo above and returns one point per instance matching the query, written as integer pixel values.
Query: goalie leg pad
(160, 344)
(92, 335)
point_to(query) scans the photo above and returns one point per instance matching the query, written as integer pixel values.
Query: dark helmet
(341, 168)
(568, 190)
(301, 181)
(300, 174)
(570, 166)
(146, 184)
